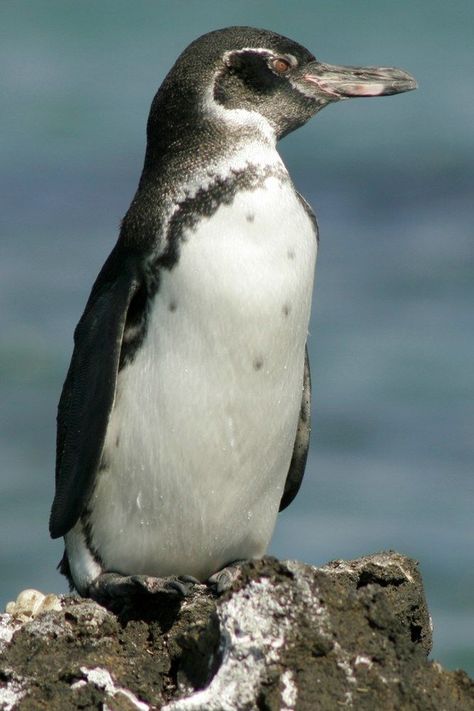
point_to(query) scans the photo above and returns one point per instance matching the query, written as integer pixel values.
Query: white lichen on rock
(253, 626)
(289, 692)
(8, 627)
(11, 694)
(103, 680)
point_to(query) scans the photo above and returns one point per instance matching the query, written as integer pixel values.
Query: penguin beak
(346, 82)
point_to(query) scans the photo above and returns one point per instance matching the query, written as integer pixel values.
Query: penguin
(184, 421)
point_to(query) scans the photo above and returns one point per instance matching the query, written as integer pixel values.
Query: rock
(287, 636)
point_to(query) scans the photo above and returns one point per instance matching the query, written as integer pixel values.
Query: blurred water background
(392, 332)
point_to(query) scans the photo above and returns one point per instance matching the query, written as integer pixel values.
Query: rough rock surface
(288, 636)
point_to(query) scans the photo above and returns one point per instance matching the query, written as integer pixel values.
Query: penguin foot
(223, 580)
(109, 588)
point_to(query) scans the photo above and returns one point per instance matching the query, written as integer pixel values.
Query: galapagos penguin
(184, 420)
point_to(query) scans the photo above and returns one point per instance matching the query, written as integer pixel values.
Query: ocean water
(392, 331)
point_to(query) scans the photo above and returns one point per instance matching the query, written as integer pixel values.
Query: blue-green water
(392, 333)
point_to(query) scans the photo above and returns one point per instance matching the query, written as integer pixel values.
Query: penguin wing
(89, 390)
(309, 211)
(301, 446)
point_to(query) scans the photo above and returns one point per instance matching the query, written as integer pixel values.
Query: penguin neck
(187, 150)
(186, 159)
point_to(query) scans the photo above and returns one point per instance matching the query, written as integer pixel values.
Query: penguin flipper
(89, 391)
(300, 449)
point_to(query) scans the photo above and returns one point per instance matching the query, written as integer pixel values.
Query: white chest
(202, 431)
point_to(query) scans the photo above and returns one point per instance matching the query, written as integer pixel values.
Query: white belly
(202, 431)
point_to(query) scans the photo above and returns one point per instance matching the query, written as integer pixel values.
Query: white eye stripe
(235, 52)
(290, 58)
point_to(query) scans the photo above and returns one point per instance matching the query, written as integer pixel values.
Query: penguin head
(258, 80)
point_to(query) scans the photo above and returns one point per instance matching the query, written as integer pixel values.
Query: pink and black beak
(338, 82)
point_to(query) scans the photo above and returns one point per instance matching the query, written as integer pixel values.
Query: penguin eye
(280, 65)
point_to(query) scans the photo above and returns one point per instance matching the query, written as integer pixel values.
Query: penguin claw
(112, 587)
(224, 579)
(179, 586)
(189, 579)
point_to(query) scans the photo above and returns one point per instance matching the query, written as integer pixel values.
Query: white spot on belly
(230, 423)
